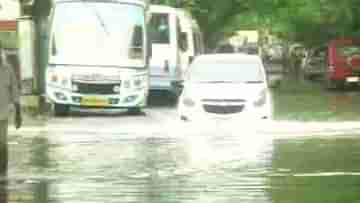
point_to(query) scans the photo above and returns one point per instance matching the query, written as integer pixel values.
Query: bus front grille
(90, 88)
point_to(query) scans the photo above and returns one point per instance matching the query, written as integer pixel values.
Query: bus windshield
(98, 33)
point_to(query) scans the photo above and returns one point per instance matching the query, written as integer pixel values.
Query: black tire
(309, 77)
(334, 85)
(184, 119)
(135, 110)
(61, 110)
(173, 99)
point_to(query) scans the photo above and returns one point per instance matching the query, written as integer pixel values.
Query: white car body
(228, 100)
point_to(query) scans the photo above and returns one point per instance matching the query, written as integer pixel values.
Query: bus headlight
(139, 82)
(127, 84)
(75, 88)
(116, 89)
(59, 80)
(54, 78)
(65, 82)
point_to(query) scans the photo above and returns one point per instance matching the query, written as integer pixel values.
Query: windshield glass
(160, 28)
(226, 72)
(98, 33)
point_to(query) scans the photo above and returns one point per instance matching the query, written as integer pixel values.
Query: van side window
(178, 33)
(159, 28)
(198, 44)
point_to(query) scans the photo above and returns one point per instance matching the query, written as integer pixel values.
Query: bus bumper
(128, 99)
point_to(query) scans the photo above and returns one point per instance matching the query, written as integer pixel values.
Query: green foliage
(310, 22)
(8, 39)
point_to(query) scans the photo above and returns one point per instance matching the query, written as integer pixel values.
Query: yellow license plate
(94, 101)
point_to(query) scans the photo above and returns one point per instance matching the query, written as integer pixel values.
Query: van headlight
(261, 99)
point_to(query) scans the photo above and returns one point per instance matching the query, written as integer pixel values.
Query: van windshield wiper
(98, 17)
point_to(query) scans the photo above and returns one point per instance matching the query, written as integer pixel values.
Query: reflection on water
(322, 171)
(219, 168)
(311, 102)
(3, 190)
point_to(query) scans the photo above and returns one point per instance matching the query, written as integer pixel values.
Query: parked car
(315, 63)
(225, 86)
(273, 59)
(227, 48)
(343, 63)
(274, 52)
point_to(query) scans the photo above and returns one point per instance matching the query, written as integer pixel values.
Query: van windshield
(101, 33)
(160, 28)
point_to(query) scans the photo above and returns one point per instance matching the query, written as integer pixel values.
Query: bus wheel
(61, 110)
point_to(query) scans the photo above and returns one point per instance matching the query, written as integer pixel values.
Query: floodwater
(150, 159)
(218, 167)
(309, 101)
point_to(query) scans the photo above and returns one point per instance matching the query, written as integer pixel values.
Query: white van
(193, 37)
(173, 33)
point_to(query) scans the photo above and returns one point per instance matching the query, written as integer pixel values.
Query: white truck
(98, 55)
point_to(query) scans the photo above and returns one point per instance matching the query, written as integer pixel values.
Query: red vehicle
(343, 63)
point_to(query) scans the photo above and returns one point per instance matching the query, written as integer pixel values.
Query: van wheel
(135, 110)
(61, 110)
(334, 85)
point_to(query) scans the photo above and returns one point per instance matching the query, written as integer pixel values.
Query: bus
(99, 55)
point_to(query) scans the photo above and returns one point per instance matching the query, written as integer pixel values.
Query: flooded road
(153, 158)
(309, 101)
(217, 167)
